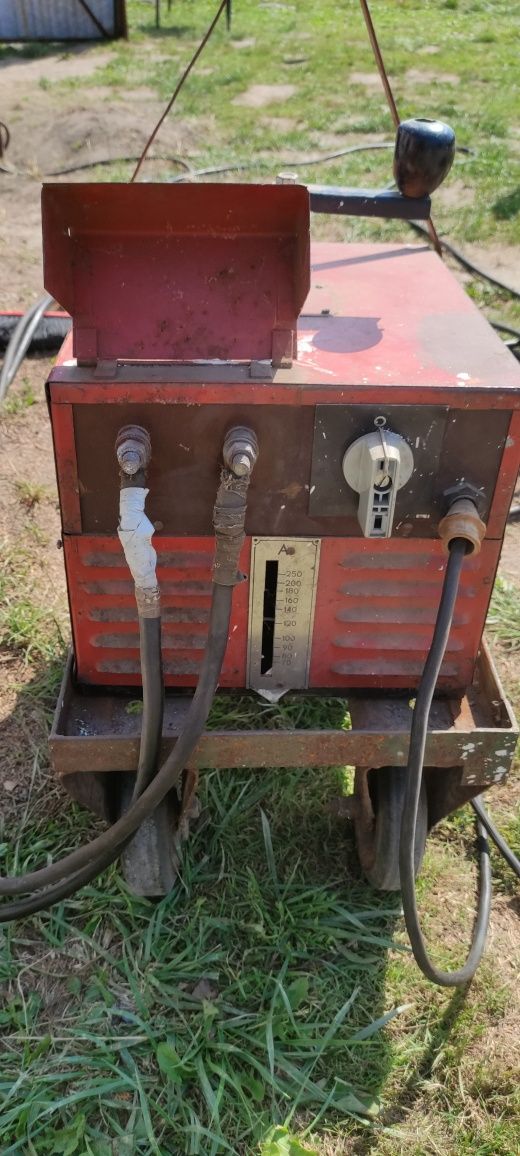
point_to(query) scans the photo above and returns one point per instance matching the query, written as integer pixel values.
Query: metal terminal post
(133, 449)
(240, 451)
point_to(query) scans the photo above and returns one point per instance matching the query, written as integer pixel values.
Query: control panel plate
(284, 573)
(338, 426)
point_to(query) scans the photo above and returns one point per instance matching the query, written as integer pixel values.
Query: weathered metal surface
(104, 612)
(386, 326)
(380, 322)
(96, 733)
(62, 19)
(374, 611)
(284, 499)
(223, 269)
(443, 444)
(368, 203)
(376, 605)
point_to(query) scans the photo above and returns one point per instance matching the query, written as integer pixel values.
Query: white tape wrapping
(135, 534)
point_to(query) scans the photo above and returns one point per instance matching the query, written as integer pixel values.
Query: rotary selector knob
(376, 466)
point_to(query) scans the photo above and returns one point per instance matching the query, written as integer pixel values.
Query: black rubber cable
(153, 702)
(418, 736)
(149, 751)
(184, 164)
(21, 340)
(497, 838)
(502, 328)
(466, 263)
(109, 843)
(48, 337)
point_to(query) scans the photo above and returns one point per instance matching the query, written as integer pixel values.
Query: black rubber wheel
(150, 861)
(380, 798)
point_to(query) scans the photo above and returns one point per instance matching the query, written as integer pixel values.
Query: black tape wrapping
(229, 516)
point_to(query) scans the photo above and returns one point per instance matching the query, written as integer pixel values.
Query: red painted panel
(62, 420)
(177, 271)
(375, 609)
(104, 616)
(506, 481)
(378, 317)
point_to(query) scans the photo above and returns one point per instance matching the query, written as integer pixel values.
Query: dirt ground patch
(53, 129)
(259, 95)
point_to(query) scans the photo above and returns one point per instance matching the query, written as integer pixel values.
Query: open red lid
(178, 272)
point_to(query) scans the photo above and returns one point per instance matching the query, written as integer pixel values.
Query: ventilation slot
(268, 624)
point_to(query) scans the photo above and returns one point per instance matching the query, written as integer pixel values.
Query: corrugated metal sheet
(61, 19)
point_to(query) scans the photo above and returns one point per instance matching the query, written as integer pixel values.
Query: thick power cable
(497, 838)
(21, 340)
(229, 517)
(153, 701)
(466, 263)
(418, 736)
(84, 864)
(149, 750)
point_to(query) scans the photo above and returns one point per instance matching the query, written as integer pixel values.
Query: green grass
(26, 626)
(251, 996)
(504, 615)
(19, 401)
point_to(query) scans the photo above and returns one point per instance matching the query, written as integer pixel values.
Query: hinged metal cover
(178, 272)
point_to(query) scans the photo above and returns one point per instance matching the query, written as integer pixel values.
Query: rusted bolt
(133, 449)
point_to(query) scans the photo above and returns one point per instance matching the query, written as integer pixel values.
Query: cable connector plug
(462, 521)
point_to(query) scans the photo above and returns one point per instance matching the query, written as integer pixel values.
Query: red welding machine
(375, 415)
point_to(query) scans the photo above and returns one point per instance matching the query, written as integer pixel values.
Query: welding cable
(183, 164)
(82, 865)
(149, 751)
(20, 341)
(418, 736)
(240, 166)
(153, 701)
(49, 336)
(508, 329)
(229, 517)
(497, 838)
(450, 248)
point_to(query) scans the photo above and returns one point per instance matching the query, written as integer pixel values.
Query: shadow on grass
(413, 1090)
(504, 208)
(44, 50)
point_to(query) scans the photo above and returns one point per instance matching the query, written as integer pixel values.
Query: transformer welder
(280, 470)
